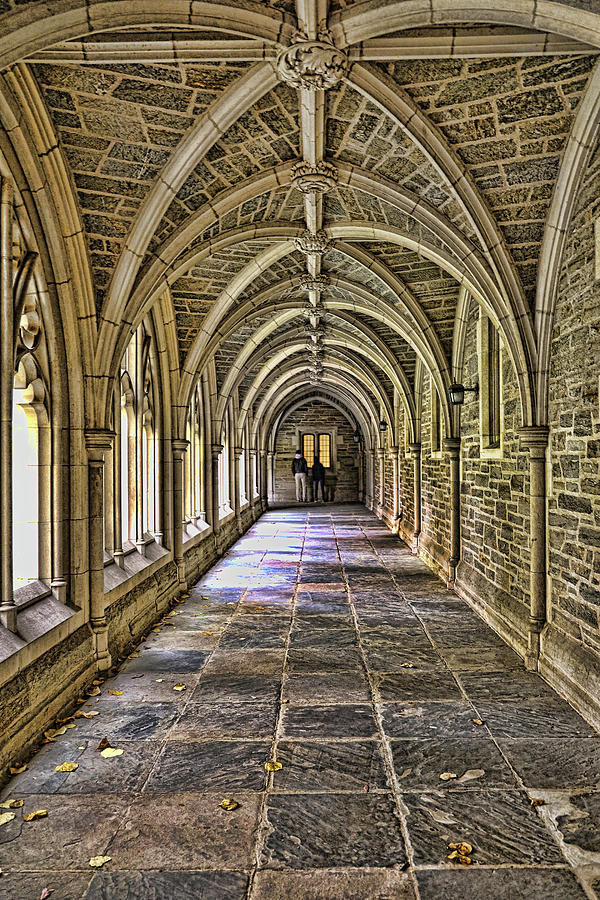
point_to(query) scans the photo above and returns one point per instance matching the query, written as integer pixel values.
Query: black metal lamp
(456, 393)
(383, 425)
(356, 436)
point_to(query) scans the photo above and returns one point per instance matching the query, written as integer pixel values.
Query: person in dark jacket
(318, 473)
(299, 470)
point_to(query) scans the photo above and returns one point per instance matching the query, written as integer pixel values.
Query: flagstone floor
(320, 642)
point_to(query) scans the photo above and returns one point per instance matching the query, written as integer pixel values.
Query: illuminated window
(25, 484)
(325, 450)
(308, 448)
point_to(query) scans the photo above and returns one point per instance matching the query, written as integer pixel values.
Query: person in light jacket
(299, 470)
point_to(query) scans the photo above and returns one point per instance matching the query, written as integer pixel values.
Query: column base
(101, 651)
(8, 618)
(532, 656)
(59, 590)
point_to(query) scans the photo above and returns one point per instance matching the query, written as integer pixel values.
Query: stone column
(415, 449)
(270, 477)
(262, 477)
(178, 447)
(98, 441)
(370, 478)
(535, 439)
(452, 448)
(381, 468)
(361, 476)
(8, 610)
(237, 504)
(393, 453)
(215, 452)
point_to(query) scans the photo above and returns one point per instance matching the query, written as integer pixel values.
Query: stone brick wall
(435, 490)
(405, 482)
(574, 505)
(316, 417)
(495, 503)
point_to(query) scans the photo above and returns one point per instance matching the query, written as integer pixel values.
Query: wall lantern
(383, 425)
(356, 436)
(456, 393)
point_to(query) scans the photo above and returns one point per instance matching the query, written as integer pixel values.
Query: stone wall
(316, 417)
(571, 646)
(405, 482)
(435, 490)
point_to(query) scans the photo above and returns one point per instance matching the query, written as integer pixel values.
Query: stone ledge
(572, 670)
(118, 581)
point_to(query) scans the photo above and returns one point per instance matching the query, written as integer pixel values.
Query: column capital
(237, 452)
(534, 437)
(415, 448)
(451, 446)
(252, 451)
(262, 453)
(98, 441)
(216, 450)
(179, 445)
(393, 451)
(380, 452)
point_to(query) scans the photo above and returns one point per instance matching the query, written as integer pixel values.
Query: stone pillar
(237, 507)
(535, 439)
(370, 478)
(178, 447)
(415, 449)
(252, 467)
(8, 610)
(262, 477)
(271, 477)
(215, 452)
(361, 476)
(98, 441)
(381, 491)
(393, 453)
(452, 448)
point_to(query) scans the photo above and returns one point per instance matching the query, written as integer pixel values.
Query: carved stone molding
(312, 243)
(314, 282)
(312, 65)
(317, 179)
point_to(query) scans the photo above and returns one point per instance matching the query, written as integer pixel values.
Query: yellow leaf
(159, 680)
(80, 714)
(115, 693)
(93, 692)
(97, 681)
(134, 656)
(229, 804)
(273, 766)
(156, 630)
(16, 770)
(71, 725)
(446, 776)
(38, 814)
(11, 804)
(110, 752)
(477, 721)
(406, 666)
(97, 861)
(536, 801)
(49, 735)
(67, 767)
(5, 818)
(462, 848)
(207, 633)
(179, 687)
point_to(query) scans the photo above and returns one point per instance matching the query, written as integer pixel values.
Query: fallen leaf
(229, 804)
(81, 700)
(134, 656)
(115, 693)
(80, 714)
(447, 776)
(50, 735)
(477, 721)
(46, 893)
(97, 861)
(461, 847)
(71, 725)
(159, 680)
(16, 770)
(38, 814)
(459, 858)
(207, 633)
(67, 767)
(139, 675)
(470, 775)
(156, 630)
(179, 687)
(93, 692)
(12, 804)
(5, 818)
(98, 681)
(536, 801)
(110, 752)
(273, 766)
(104, 743)
(406, 666)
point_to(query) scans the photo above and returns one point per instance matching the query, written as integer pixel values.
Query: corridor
(402, 724)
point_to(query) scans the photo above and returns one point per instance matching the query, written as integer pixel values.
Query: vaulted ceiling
(333, 196)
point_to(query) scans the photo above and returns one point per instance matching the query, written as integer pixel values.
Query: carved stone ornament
(317, 179)
(311, 310)
(312, 65)
(312, 243)
(314, 282)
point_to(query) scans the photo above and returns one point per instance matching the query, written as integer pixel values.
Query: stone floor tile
(429, 719)
(128, 721)
(480, 658)
(169, 662)
(245, 662)
(456, 636)
(341, 721)
(63, 886)
(318, 831)
(333, 660)
(206, 721)
(318, 766)
(319, 621)
(168, 885)
(75, 829)
(150, 687)
(397, 660)
(533, 718)
(210, 766)
(252, 637)
(476, 761)
(262, 688)
(502, 827)
(182, 639)
(194, 833)
(325, 884)
(350, 687)
(498, 884)
(409, 685)
(561, 762)
(507, 684)
(323, 638)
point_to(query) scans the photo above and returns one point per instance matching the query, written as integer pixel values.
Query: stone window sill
(133, 564)
(37, 614)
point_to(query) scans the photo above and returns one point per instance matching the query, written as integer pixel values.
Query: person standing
(318, 473)
(299, 470)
